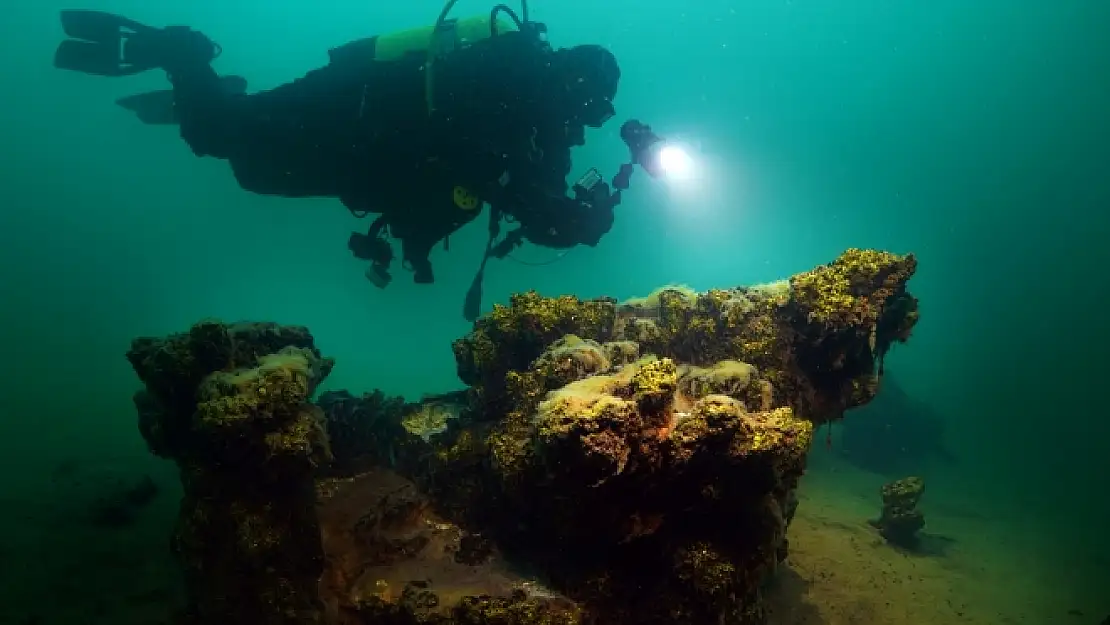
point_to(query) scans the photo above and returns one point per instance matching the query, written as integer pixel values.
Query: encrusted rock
(641, 459)
(900, 520)
(657, 486)
(229, 404)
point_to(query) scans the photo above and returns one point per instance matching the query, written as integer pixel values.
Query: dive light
(640, 141)
(659, 158)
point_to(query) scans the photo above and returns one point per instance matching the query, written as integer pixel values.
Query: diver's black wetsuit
(360, 130)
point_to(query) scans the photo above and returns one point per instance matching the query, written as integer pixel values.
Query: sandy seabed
(976, 568)
(996, 563)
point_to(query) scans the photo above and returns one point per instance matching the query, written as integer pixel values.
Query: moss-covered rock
(510, 338)
(230, 405)
(819, 337)
(571, 358)
(654, 473)
(901, 521)
(733, 378)
(644, 455)
(851, 290)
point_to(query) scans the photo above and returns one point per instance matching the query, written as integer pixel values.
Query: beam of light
(676, 164)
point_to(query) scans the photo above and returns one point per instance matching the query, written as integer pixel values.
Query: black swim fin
(157, 107)
(100, 44)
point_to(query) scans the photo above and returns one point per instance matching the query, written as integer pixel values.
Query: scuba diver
(422, 128)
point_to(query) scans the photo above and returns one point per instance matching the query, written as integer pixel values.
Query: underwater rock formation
(900, 520)
(819, 338)
(627, 464)
(229, 404)
(644, 456)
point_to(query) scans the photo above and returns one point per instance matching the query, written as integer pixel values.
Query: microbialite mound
(607, 463)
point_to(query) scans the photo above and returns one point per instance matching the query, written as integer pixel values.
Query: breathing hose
(504, 8)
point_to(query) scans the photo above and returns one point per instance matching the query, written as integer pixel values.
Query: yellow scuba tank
(451, 34)
(435, 41)
(442, 38)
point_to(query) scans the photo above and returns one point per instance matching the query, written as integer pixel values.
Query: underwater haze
(972, 134)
